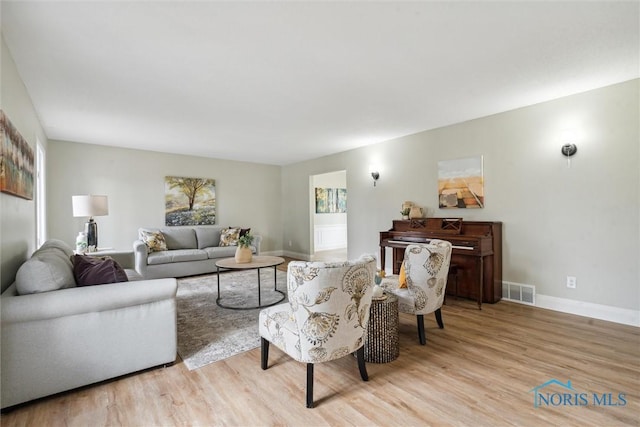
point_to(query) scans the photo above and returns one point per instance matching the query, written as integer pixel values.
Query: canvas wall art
(331, 200)
(461, 183)
(189, 201)
(16, 161)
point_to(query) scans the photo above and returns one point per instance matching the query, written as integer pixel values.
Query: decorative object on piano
(461, 183)
(410, 210)
(331, 200)
(415, 212)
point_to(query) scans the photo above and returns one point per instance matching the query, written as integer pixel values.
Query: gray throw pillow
(44, 273)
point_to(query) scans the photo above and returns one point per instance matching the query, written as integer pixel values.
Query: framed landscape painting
(190, 201)
(461, 183)
(16, 161)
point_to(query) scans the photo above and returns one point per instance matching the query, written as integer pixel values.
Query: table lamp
(90, 206)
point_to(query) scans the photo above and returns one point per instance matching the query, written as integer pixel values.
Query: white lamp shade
(90, 205)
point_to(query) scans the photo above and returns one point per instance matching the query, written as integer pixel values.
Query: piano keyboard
(404, 242)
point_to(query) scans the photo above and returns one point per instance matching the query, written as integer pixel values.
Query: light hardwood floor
(477, 371)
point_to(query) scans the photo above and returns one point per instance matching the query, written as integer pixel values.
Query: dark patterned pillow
(229, 236)
(92, 270)
(243, 231)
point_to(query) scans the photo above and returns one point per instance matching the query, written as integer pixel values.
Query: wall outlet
(289, 243)
(571, 282)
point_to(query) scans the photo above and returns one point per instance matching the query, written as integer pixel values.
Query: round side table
(381, 344)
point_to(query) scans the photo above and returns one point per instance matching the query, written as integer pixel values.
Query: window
(41, 210)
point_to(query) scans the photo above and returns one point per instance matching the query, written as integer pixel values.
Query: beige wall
(17, 216)
(248, 194)
(581, 221)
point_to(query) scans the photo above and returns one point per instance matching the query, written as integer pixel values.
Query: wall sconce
(375, 176)
(373, 170)
(569, 148)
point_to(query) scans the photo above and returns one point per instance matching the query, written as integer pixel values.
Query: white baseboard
(290, 254)
(588, 309)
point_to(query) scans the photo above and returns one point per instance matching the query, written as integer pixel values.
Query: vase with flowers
(243, 252)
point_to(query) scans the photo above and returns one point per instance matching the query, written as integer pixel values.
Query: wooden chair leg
(421, 335)
(309, 385)
(439, 318)
(264, 353)
(361, 364)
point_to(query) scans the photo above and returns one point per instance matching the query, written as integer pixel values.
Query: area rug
(208, 333)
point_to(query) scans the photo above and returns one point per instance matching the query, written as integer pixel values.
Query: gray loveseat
(190, 251)
(57, 336)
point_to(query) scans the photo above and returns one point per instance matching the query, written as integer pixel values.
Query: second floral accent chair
(427, 268)
(326, 316)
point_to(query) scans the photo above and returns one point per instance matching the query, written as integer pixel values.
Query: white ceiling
(282, 82)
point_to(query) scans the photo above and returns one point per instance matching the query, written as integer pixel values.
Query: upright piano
(477, 252)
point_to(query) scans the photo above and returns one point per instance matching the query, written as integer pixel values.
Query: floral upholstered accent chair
(427, 268)
(326, 316)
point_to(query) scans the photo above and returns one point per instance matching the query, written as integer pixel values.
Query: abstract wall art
(331, 200)
(461, 183)
(16, 161)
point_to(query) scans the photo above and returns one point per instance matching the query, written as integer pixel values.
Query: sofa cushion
(221, 251)
(229, 236)
(153, 239)
(92, 270)
(180, 238)
(178, 255)
(49, 269)
(208, 236)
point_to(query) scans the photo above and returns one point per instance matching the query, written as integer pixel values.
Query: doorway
(329, 217)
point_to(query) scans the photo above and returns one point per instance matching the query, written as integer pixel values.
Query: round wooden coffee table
(256, 263)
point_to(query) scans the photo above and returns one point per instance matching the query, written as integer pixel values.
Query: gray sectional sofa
(190, 251)
(57, 335)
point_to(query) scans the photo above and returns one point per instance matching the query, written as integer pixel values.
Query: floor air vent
(518, 292)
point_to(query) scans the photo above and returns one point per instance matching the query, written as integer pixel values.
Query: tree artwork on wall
(16, 161)
(190, 201)
(461, 183)
(331, 200)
